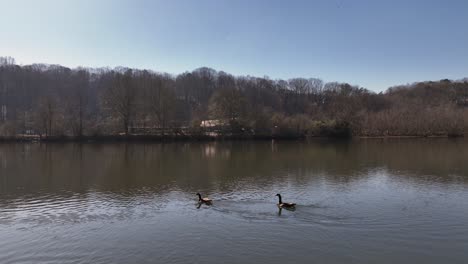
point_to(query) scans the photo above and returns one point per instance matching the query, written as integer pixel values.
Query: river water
(363, 201)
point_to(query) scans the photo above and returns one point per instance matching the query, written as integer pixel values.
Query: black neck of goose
(279, 197)
(199, 197)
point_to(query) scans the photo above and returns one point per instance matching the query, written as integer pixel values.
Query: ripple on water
(268, 212)
(63, 208)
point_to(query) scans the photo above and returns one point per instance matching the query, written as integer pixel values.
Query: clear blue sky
(370, 43)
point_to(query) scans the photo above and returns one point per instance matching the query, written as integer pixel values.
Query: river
(360, 201)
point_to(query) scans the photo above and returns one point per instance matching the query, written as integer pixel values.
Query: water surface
(373, 201)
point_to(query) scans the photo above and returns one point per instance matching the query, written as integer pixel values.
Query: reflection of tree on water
(224, 166)
(3, 160)
(3, 178)
(79, 153)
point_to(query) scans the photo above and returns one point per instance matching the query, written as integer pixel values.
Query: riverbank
(144, 138)
(195, 138)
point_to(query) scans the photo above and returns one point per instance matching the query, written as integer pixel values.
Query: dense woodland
(50, 101)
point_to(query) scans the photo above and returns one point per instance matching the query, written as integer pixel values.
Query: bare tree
(120, 98)
(7, 61)
(161, 99)
(228, 104)
(43, 96)
(47, 115)
(300, 86)
(77, 101)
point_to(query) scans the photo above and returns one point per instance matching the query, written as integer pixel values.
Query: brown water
(400, 201)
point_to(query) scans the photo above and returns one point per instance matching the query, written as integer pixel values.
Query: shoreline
(196, 138)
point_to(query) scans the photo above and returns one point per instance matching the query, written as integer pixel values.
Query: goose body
(204, 200)
(284, 205)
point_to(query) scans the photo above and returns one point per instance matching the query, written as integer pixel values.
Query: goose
(284, 205)
(204, 200)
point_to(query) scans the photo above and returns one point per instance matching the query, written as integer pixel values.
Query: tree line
(55, 101)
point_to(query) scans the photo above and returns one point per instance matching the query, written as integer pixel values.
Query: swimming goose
(284, 205)
(204, 200)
